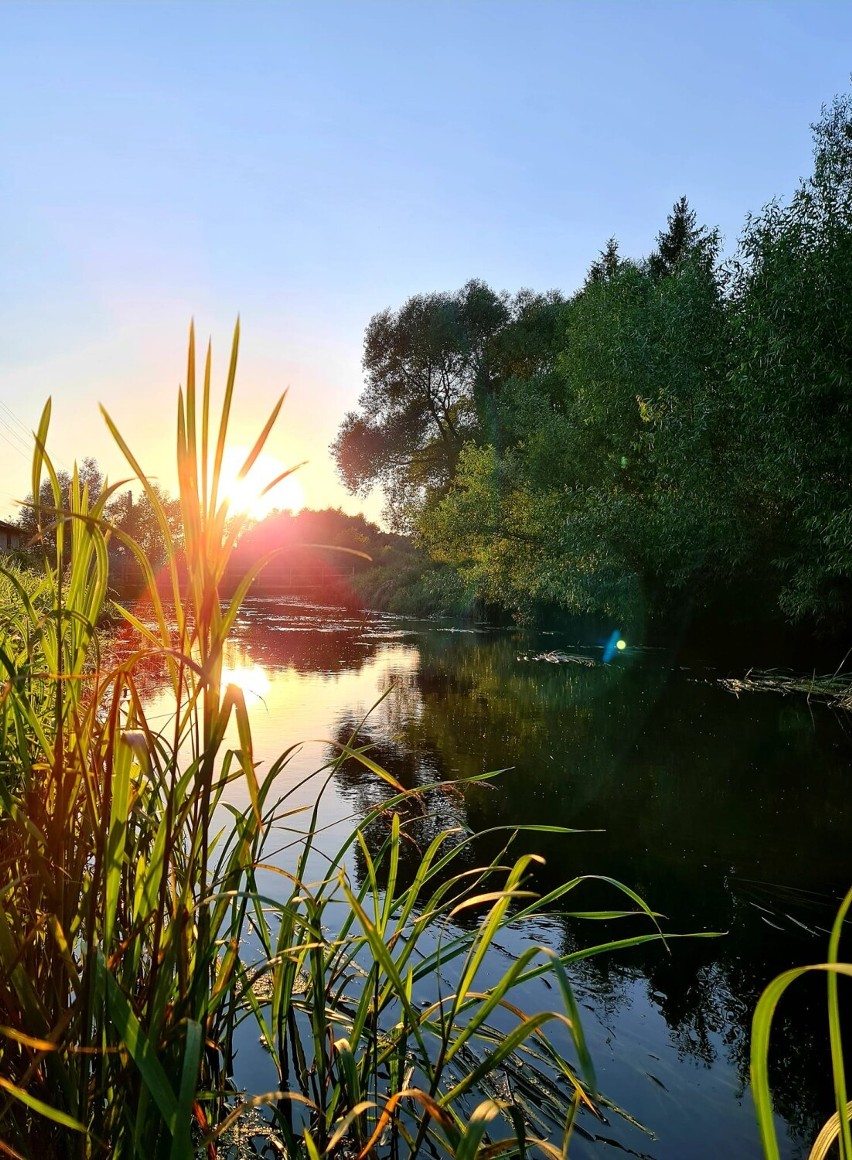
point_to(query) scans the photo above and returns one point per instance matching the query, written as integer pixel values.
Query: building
(11, 537)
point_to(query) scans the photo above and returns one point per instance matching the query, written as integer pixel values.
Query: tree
(791, 290)
(681, 237)
(424, 364)
(42, 512)
(606, 264)
(606, 489)
(135, 517)
(132, 515)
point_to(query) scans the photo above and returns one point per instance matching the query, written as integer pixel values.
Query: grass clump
(126, 904)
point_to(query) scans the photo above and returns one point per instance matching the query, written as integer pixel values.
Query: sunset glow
(247, 495)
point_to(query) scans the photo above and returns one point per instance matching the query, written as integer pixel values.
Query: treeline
(679, 426)
(321, 530)
(131, 516)
(389, 572)
(379, 568)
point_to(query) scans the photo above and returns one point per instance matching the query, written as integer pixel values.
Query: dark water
(725, 814)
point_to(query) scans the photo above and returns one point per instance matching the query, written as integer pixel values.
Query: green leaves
(119, 931)
(837, 1128)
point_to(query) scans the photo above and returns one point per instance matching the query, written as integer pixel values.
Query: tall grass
(836, 1131)
(124, 960)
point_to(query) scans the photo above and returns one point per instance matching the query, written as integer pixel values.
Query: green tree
(135, 516)
(681, 237)
(424, 365)
(607, 490)
(606, 264)
(132, 515)
(38, 516)
(791, 288)
(673, 430)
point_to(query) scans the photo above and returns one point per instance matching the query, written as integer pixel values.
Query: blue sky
(308, 164)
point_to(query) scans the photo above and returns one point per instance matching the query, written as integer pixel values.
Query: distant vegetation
(390, 572)
(678, 429)
(143, 518)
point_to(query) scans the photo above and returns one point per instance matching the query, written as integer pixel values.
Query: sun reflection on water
(252, 678)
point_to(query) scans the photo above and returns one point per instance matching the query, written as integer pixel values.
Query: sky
(306, 165)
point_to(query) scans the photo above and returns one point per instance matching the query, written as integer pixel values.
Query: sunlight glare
(244, 495)
(251, 678)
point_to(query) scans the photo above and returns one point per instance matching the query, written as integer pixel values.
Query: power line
(21, 444)
(14, 446)
(25, 443)
(5, 407)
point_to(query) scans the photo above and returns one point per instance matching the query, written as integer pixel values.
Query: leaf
(144, 1055)
(43, 1109)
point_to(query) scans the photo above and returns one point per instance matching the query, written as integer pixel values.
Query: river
(727, 815)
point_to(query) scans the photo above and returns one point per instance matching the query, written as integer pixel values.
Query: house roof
(5, 526)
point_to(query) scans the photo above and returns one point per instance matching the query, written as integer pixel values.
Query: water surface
(725, 814)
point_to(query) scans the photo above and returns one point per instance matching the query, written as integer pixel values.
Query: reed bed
(135, 942)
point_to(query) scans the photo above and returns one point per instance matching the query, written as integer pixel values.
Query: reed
(835, 1137)
(124, 912)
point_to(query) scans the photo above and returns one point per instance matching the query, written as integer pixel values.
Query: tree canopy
(424, 365)
(131, 514)
(679, 426)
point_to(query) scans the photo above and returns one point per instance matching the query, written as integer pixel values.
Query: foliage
(125, 905)
(610, 494)
(138, 517)
(682, 238)
(423, 364)
(837, 1128)
(49, 496)
(792, 376)
(326, 528)
(409, 584)
(676, 429)
(354, 1024)
(120, 914)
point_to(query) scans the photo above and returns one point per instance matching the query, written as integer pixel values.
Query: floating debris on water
(558, 658)
(834, 690)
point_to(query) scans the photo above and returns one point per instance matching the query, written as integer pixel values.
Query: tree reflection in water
(725, 815)
(308, 639)
(705, 802)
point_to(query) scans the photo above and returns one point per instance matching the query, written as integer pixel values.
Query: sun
(244, 495)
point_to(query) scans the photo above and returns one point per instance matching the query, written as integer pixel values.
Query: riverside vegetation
(676, 434)
(675, 427)
(128, 884)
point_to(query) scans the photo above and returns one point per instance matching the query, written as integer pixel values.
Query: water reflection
(726, 815)
(240, 670)
(307, 639)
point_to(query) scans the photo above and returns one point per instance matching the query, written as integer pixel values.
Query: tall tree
(682, 236)
(792, 377)
(608, 489)
(41, 511)
(135, 516)
(424, 365)
(606, 264)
